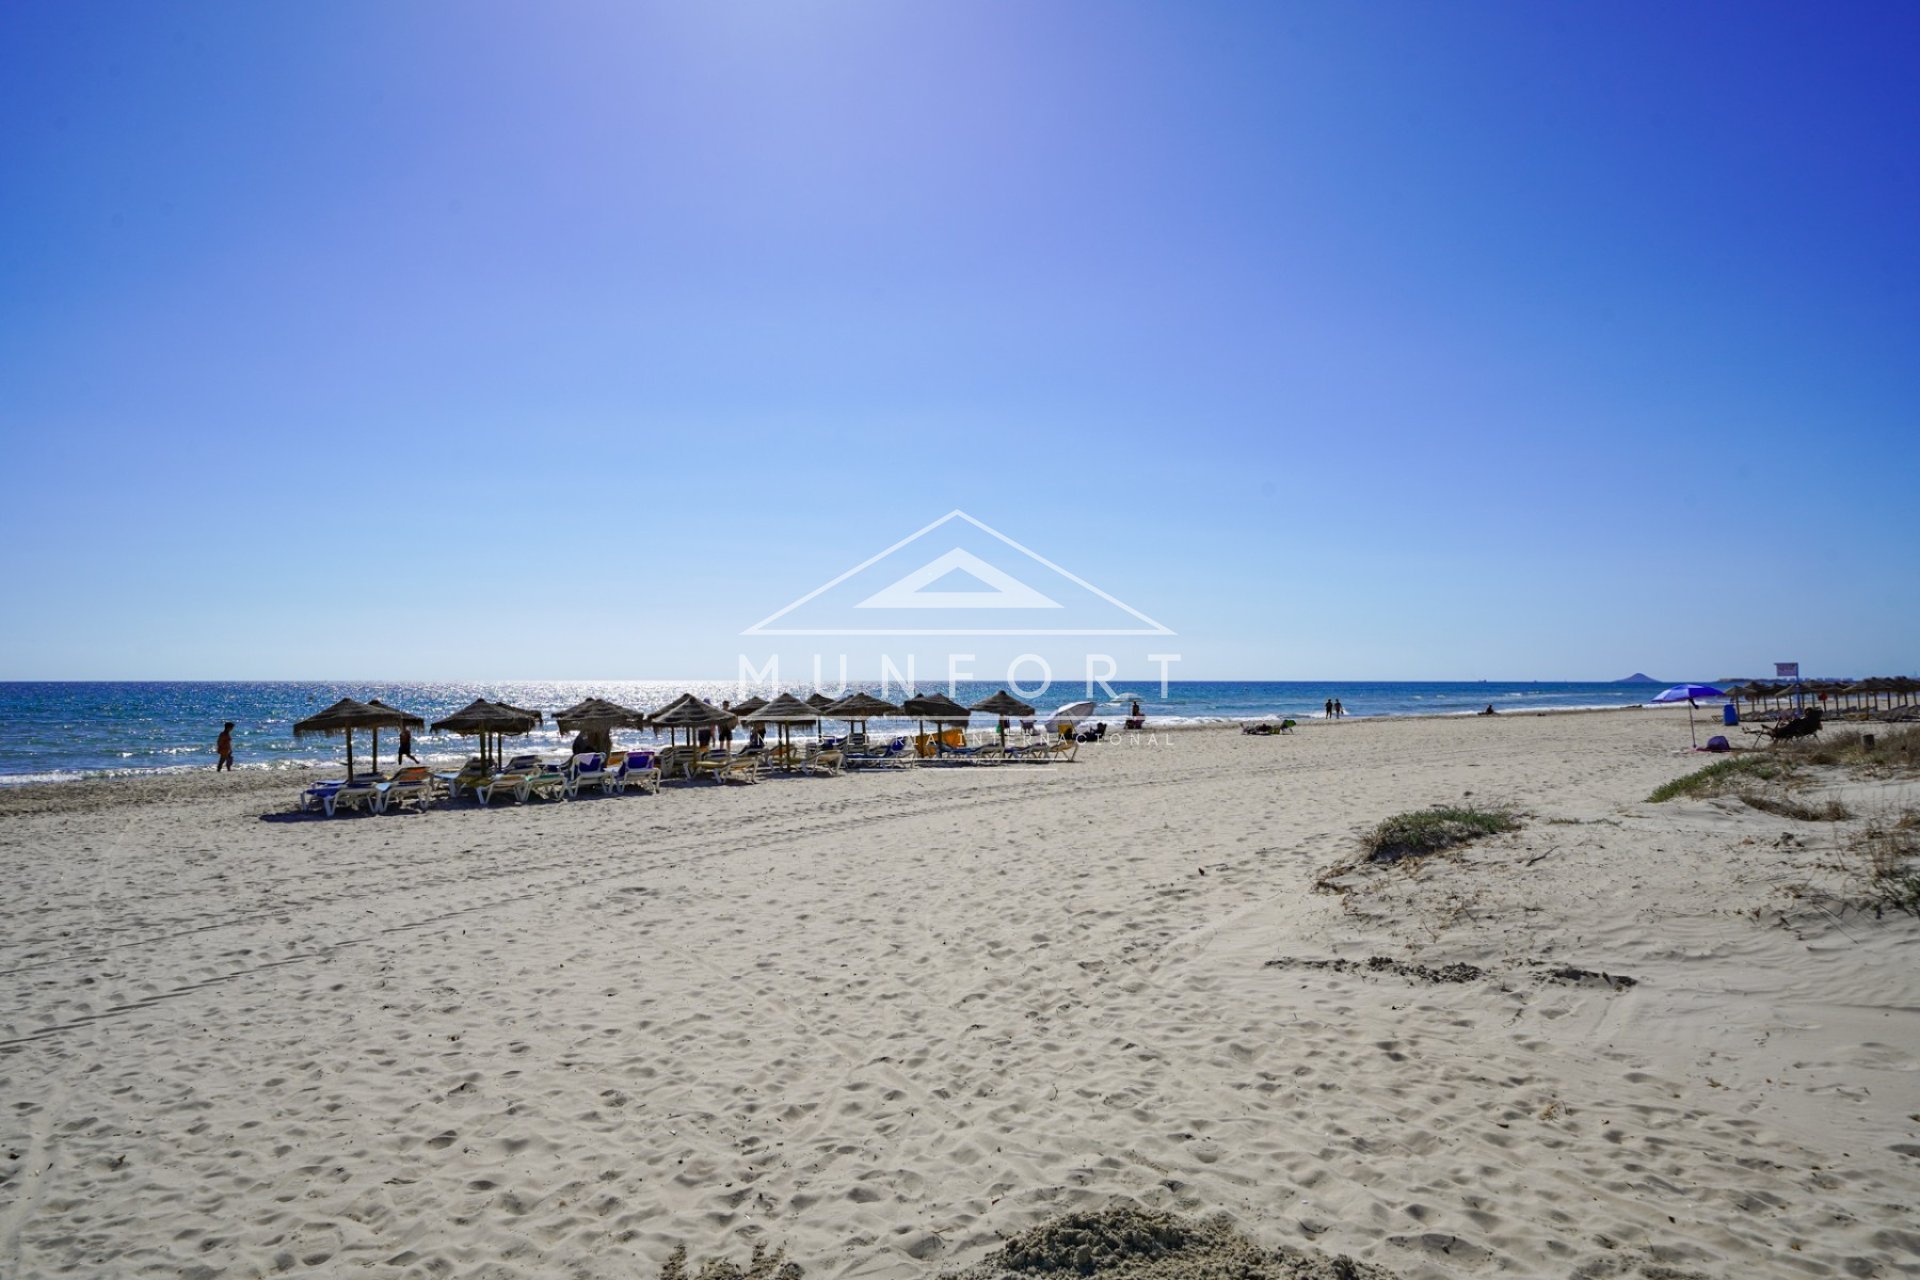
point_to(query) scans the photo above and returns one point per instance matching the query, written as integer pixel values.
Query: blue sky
(1367, 341)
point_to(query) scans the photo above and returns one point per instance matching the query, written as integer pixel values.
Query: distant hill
(1638, 677)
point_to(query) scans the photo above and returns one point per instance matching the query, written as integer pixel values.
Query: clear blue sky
(478, 340)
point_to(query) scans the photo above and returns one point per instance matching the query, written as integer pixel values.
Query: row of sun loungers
(523, 778)
(526, 778)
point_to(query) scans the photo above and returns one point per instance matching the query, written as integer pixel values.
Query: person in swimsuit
(224, 746)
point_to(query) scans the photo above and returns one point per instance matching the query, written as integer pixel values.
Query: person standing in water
(223, 745)
(1329, 708)
(1339, 712)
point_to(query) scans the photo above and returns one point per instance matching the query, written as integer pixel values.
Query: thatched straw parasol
(685, 697)
(597, 712)
(1003, 704)
(786, 709)
(1871, 689)
(1006, 706)
(596, 719)
(488, 719)
(820, 701)
(746, 709)
(690, 713)
(858, 708)
(1823, 689)
(784, 712)
(348, 714)
(937, 707)
(411, 722)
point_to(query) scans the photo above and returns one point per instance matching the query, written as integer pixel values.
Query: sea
(60, 731)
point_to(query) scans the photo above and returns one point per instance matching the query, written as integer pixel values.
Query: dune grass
(1724, 775)
(1896, 749)
(1426, 831)
(1789, 807)
(1890, 845)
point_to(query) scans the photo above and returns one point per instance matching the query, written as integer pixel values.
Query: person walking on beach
(224, 746)
(1329, 708)
(726, 730)
(406, 746)
(1339, 712)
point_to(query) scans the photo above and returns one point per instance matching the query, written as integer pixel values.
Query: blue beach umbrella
(1687, 693)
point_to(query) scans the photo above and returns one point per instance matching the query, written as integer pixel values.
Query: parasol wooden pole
(349, 755)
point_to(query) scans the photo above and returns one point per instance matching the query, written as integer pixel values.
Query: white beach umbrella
(1071, 714)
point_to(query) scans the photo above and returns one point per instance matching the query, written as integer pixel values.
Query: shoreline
(282, 768)
(64, 731)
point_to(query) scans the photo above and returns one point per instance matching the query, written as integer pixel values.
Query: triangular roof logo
(915, 591)
(979, 583)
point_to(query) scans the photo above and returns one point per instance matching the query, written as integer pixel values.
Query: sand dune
(889, 1020)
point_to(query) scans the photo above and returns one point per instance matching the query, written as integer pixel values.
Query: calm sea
(57, 731)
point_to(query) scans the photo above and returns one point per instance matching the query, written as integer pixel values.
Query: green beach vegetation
(1425, 831)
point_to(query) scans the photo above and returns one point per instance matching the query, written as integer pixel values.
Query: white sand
(886, 1020)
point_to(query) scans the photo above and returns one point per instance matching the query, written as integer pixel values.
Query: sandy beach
(886, 1020)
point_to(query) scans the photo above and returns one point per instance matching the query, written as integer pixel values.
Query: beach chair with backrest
(362, 793)
(412, 785)
(639, 769)
(741, 768)
(472, 774)
(587, 770)
(316, 795)
(1804, 725)
(548, 781)
(825, 761)
(897, 754)
(510, 782)
(680, 762)
(708, 764)
(992, 751)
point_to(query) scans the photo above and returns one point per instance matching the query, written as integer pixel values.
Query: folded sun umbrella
(1688, 693)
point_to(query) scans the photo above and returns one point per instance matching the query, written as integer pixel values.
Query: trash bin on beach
(1730, 715)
